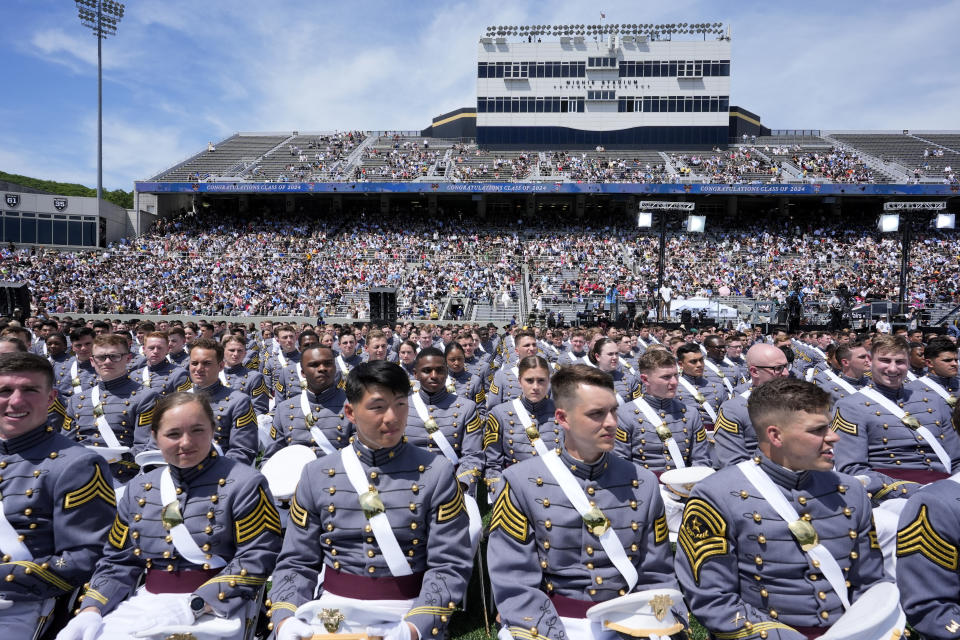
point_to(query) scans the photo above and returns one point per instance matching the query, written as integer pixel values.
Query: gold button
(822, 595)
(370, 569)
(824, 614)
(762, 539)
(764, 593)
(802, 500)
(744, 495)
(756, 517)
(774, 614)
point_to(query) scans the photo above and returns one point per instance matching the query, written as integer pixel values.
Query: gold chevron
(506, 516)
(118, 533)
(263, 517)
(725, 423)
(96, 487)
(186, 386)
(492, 432)
(145, 418)
(474, 424)
(44, 574)
(920, 537)
(840, 424)
(298, 515)
(260, 389)
(452, 509)
(660, 531)
(752, 630)
(621, 435)
(248, 418)
(701, 435)
(703, 534)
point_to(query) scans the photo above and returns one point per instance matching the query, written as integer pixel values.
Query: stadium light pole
(102, 18)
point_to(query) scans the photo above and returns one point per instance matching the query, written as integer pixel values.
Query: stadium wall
(458, 124)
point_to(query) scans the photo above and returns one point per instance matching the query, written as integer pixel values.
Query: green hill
(118, 197)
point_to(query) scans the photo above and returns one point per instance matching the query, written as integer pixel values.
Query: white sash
(75, 373)
(282, 359)
(608, 540)
(10, 543)
(106, 432)
(436, 435)
(937, 388)
(382, 530)
(625, 364)
(525, 420)
(216, 447)
(642, 343)
(843, 384)
(808, 374)
(182, 540)
(654, 419)
(746, 394)
(515, 370)
(722, 375)
(911, 376)
(145, 376)
(318, 436)
(730, 362)
(223, 379)
(818, 553)
(692, 390)
(900, 414)
(342, 365)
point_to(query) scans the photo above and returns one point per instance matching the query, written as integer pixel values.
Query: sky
(180, 73)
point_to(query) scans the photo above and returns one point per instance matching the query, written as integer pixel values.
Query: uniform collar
(25, 441)
(63, 357)
(581, 469)
(887, 392)
(377, 457)
(86, 366)
(213, 389)
(534, 407)
(781, 475)
(946, 383)
(695, 381)
(862, 380)
(160, 366)
(460, 376)
(181, 476)
(235, 371)
(323, 396)
(657, 404)
(115, 384)
(434, 398)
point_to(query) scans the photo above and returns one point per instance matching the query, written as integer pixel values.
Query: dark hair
(208, 343)
(598, 347)
(57, 336)
(565, 381)
(14, 341)
(653, 359)
(938, 345)
(317, 346)
(453, 346)
(81, 332)
(102, 324)
(844, 351)
(782, 395)
(178, 399)
(526, 333)
(532, 362)
(788, 353)
(227, 339)
(688, 347)
(306, 335)
(176, 331)
(23, 362)
(378, 373)
(410, 343)
(428, 352)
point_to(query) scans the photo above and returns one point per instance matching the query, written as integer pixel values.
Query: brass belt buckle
(331, 619)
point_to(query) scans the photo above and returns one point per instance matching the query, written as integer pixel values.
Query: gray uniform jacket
(459, 420)
(506, 443)
(734, 436)
(290, 426)
(252, 383)
(637, 439)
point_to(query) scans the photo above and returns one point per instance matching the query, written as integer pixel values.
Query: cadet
(779, 546)
(348, 358)
(235, 433)
(461, 381)
(473, 364)
(158, 373)
(314, 418)
(58, 500)
(286, 358)
(291, 377)
(204, 529)
(734, 359)
(444, 423)
(854, 361)
(113, 417)
(510, 425)
(714, 366)
(406, 356)
(377, 347)
(505, 386)
(695, 390)
(927, 568)
(734, 437)
(605, 356)
(78, 372)
(941, 378)
(239, 377)
(578, 350)
(178, 354)
(396, 564)
(578, 526)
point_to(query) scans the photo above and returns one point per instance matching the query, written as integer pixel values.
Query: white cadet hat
(876, 615)
(149, 459)
(682, 481)
(345, 616)
(206, 628)
(283, 469)
(110, 454)
(641, 614)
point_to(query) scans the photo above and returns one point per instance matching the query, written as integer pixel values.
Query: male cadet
(348, 358)
(928, 544)
(444, 423)
(377, 348)
(60, 359)
(115, 413)
(78, 372)
(315, 417)
(505, 386)
(734, 357)
(714, 366)
(696, 390)
(236, 422)
(627, 358)
(777, 547)
(940, 356)
(291, 377)
(895, 438)
(158, 373)
(854, 361)
(578, 350)
(44, 329)
(918, 365)
(384, 519)
(473, 364)
(734, 438)
(815, 347)
(178, 355)
(241, 378)
(58, 502)
(286, 358)
(579, 526)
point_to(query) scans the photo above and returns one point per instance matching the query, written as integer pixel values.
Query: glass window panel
(11, 229)
(59, 232)
(44, 233)
(28, 231)
(89, 234)
(75, 228)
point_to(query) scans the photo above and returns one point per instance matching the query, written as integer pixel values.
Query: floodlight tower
(102, 18)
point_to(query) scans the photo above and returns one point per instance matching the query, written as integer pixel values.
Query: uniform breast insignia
(839, 424)
(663, 432)
(263, 517)
(728, 425)
(804, 533)
(96, 487)
(331, 619)
(597, 523)
(371, 504)
(910, 421)
(431, 425)
(453, 508)
(506, 516)
(920, 537)
(703, 534)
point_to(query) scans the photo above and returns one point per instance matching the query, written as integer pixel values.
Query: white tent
(714, 309)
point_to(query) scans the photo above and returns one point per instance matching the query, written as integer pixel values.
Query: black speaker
(14, 300)
(383, 304)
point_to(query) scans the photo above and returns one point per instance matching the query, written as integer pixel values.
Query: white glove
(84, 626)
(397, 631)
(179, 613)
(294, 629)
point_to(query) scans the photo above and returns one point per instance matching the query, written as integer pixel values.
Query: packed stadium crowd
(208, 263)
(741, 165)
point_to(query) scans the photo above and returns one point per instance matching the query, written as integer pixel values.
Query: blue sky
(182, 72)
